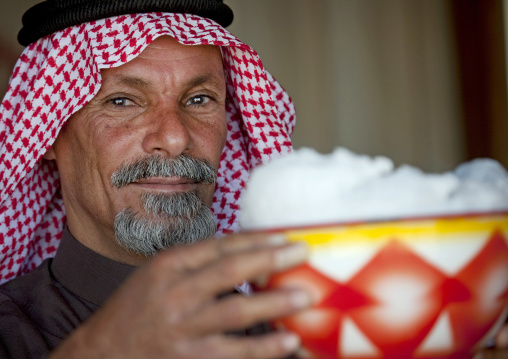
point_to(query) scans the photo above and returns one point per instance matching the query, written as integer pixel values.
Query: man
(105, 123)
(118, 138)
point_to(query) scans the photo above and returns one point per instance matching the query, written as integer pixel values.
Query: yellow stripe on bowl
(408, 230)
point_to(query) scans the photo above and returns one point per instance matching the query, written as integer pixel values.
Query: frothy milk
(306, 188)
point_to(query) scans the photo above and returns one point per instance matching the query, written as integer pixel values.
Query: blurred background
(421, 81)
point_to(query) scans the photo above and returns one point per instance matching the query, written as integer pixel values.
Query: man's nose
(167, 133)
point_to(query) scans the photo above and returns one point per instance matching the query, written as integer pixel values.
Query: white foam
(306, 187)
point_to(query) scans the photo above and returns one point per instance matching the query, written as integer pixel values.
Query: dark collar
(85, 272)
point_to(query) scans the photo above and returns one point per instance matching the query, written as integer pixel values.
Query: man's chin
(149, 233)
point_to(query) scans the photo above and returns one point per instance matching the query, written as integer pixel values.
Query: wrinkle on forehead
(159, 55)
(161, 43)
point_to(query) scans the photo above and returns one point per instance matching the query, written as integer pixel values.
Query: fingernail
(277, 240)
(299, 299)
(289, 256)
(261, 281)
(502, 338)
(291, 342)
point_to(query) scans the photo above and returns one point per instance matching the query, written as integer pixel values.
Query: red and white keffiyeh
(57, 75)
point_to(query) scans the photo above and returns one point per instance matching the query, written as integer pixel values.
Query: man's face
(167, 102)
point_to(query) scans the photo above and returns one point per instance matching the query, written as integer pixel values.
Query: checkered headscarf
(58, 74)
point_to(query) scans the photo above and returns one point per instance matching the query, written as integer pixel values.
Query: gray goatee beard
(169, 219)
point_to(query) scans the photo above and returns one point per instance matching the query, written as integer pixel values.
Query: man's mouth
(168, 184)
(163, 172)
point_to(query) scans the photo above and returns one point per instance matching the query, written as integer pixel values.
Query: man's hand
(501, 349)
(170, 308)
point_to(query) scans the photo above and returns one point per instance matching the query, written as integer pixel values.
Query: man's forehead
(139, 82)
(177, 51)
(195, 64)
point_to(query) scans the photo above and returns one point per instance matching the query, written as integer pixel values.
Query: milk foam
(306, 188)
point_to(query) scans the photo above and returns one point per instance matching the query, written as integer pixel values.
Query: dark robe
(43, 307)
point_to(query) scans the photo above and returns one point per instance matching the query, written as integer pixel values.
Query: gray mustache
(182, 166)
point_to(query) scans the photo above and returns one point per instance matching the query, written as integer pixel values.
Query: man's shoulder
(26, 288)
(25, 299)
(20, 336)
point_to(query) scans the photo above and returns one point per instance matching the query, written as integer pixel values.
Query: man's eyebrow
(140, 83)
(199, 80)
(133, 82)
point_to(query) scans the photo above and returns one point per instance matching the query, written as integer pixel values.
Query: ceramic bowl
(413, 288)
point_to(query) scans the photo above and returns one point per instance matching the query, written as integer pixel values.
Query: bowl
(411, 288)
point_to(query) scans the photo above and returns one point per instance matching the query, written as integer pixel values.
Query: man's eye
(121, 101)
(198, 100)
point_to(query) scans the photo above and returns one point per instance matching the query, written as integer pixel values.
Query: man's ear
(50, 154)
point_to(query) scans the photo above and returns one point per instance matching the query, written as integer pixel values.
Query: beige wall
(10, 23)
(376, 76)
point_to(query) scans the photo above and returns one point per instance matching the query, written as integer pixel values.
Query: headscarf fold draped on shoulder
(58, 74)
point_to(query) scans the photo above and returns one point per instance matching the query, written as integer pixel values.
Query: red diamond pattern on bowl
(399, 305)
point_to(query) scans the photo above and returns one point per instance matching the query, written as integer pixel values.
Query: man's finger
(237, 312)
(201, 287)
(269, 346)
(223, 274)
(502, 338)
(188, 258)
(492, 354)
